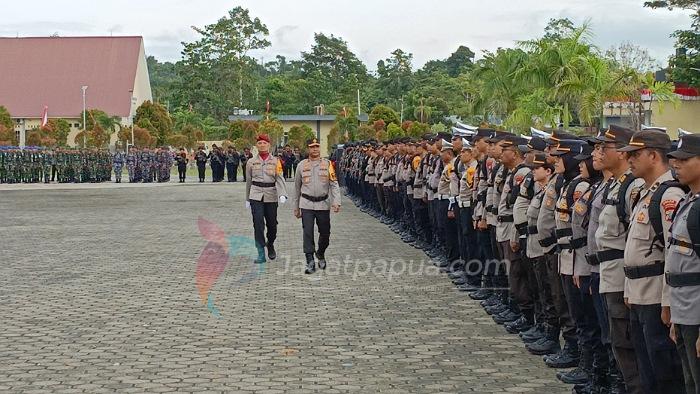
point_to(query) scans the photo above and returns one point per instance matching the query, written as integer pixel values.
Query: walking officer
(316, 192)
(265, 187)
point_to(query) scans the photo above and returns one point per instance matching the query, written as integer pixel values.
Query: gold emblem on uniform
(641, 216)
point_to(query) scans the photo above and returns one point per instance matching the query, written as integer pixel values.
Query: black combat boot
(271, 253)
(582, 373)
(321, 260)
(548, 344)
(566, 358)
(310, 264)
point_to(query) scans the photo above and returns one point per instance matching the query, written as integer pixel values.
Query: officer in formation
(265, 188)
(118, 160)
(19, 165)
(144, 165)
(316, 193)
(587, 241)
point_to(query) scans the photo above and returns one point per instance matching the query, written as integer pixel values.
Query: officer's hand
(283, 199)
(514, 246)
(297, 213)
(450, 214)
(672, 333)
(336, 208)
(666, 315)
(482, 224)
(697, 348)
(247, 205)
(577, 281)
(627, 302)
(425, 199)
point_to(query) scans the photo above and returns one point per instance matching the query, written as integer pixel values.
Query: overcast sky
(373, 28)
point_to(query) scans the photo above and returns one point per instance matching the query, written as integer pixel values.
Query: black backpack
(619, 202)
(655, 214)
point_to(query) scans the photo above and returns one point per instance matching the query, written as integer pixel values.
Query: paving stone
(99, 294)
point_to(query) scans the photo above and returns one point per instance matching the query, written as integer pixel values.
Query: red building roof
(49, 71)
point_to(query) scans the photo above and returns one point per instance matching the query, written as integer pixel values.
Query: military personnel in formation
(265, 188)
(131, 164)
(46, 165)
(118, 164)
(316, 194)
(233, 160)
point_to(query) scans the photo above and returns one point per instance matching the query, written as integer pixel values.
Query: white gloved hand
(247, 205)
(283, 199)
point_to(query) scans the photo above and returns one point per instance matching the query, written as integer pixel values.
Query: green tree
(384, 113)
(394, 131)
(298, 134)
(161, 125)
(5, 118)
(395, 74)
(7, 136)
(418, 129)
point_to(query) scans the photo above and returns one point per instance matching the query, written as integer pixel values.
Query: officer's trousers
(322, 219)
(622, 346)
(517, 280)
(201, 168)
(573, 303)
(660, 367)
(543, 273)
(484, 255)
(264, 215)
(468, 251)
(232, 172)
(686, 337)
(420, 214)
(448, 230)
(531, 279)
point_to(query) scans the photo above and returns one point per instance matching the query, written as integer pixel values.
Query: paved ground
(98, 294)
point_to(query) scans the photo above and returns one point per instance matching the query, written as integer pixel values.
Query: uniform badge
(577, 195)
(580, 207)
(641, 217)
(668, 207)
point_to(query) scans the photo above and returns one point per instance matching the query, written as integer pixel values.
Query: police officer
(683, 263)
(201, 158)
(265, 187)
(232, 161)
(316, 193)
(611, 239)
(181, 160)
(650, 221)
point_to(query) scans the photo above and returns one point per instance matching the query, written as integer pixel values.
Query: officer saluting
(264, 188)
(316, 191)
(683, 263)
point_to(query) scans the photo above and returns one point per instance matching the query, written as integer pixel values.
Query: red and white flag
(45, 116)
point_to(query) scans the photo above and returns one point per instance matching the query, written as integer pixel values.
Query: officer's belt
(645, 271)
(578, 243)
(315, 199)
(563, 232)
(465, 204)
(678, 242)
(547, 242)
(522, 228)
(609, 255)
(531, 230)
(263, 184)
(592, 259)
(505, 219)
(563, 210)
(683, 279)
(417, 185)
(442, 197)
